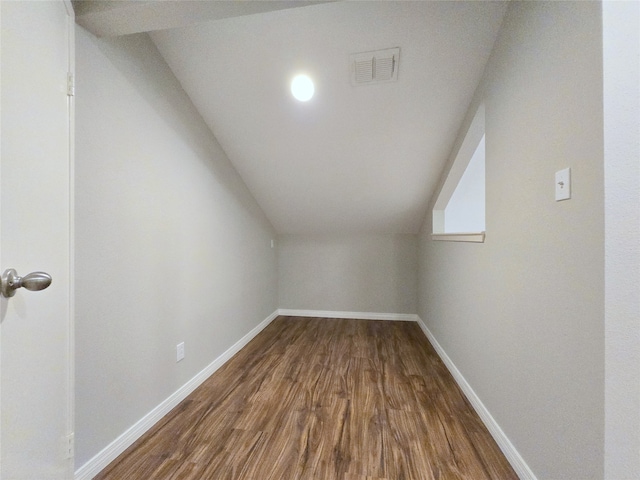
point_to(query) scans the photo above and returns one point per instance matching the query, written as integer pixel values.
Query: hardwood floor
(322, 399)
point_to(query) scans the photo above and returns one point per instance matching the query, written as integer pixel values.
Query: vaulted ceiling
(353, 158)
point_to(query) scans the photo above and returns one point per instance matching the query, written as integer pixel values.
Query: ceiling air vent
(375, 67)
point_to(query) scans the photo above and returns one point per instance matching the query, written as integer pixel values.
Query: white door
(35, 331)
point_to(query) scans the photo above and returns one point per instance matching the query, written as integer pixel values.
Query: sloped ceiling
(354, 159)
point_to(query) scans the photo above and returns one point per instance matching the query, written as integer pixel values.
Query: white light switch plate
(179, 352)
(563, 184)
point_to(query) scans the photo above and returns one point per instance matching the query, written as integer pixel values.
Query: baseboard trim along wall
(401, 317)
(124, 441)
(509, 451)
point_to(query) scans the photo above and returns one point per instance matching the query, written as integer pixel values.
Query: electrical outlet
(179, 352)
(67, 445)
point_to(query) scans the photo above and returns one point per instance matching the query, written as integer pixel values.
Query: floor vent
(375, 67)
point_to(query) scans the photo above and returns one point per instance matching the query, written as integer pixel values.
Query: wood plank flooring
(322, 399)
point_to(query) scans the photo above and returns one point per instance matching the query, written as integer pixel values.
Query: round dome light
(302, 88)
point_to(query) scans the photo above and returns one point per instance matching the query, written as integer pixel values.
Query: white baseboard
(124, 441)
(509, 451)
(401, 317)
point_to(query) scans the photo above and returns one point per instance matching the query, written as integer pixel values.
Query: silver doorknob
(11, 281)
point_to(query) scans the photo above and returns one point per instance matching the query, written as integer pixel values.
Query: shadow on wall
(144, 68)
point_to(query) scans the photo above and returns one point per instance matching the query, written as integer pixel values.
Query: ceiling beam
(109, 18)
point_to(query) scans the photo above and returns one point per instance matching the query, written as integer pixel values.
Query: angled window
(459, 211)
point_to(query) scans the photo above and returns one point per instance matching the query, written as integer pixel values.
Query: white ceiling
(353, 159)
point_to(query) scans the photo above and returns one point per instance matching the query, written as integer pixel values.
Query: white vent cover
(375, 67)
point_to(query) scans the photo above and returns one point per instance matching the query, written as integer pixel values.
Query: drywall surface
(465, 210)
(521, 315)
(621, 51)
(353, 273)
(170, 245)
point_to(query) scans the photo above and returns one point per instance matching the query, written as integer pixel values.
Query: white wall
(521, 315)
(465, 210)
(621, 37)
(352, 273)
(170, 245)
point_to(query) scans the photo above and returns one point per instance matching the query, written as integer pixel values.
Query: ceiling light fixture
(302, 88)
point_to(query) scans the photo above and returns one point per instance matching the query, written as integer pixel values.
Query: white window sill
(459, 237)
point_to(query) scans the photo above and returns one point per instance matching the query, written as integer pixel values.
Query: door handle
(35, 281)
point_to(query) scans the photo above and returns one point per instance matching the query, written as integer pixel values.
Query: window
(459, 211)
